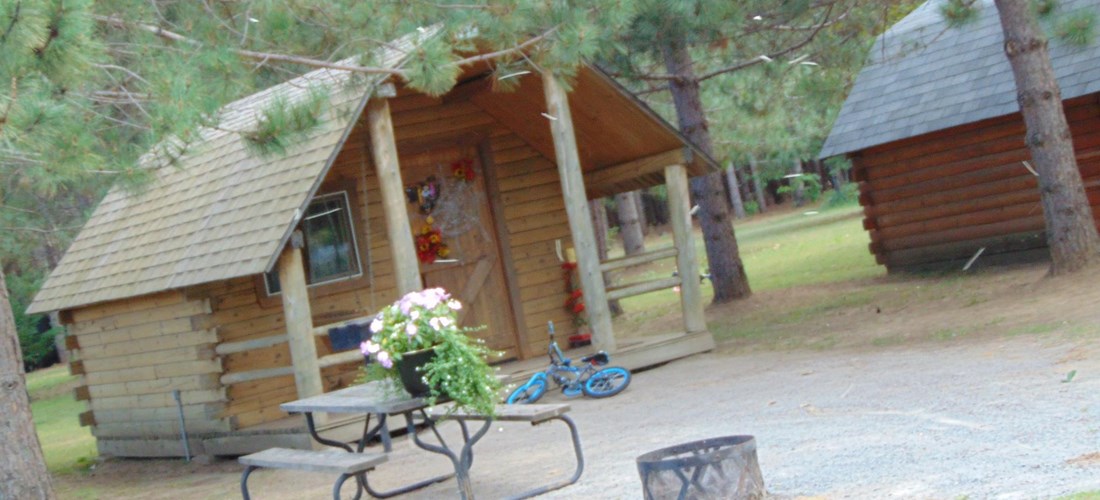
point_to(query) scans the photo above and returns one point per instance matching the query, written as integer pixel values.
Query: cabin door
(456, 241)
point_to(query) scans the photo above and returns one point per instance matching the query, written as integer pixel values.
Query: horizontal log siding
(936, 199)
(132, 354)
(535, 217)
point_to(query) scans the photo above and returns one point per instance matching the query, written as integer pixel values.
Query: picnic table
(374, 401)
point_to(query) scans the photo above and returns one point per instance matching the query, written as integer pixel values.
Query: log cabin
(223, 276)
(936, 141)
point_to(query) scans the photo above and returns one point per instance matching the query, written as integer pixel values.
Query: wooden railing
(632, 289)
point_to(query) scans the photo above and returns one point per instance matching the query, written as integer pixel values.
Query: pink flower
(376, 325)
(369, 347)
(384, 358)
(411, 329)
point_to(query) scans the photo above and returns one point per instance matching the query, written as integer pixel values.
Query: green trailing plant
(428, 320)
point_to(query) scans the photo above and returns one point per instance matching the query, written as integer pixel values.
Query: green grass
(798, 249)
(1085, 495)
(67, 446)
(778, 251)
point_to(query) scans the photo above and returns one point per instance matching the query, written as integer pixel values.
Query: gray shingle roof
(219, 212)
(923, 76)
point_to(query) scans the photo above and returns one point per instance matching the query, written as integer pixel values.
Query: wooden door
(458, 213)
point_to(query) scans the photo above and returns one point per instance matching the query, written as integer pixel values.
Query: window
(330, 251)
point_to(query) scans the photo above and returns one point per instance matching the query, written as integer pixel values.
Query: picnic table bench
(370, 399)
(332, 461)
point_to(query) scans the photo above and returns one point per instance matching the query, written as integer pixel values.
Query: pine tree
(1070, 225)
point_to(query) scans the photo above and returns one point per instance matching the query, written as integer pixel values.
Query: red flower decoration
(463, 169)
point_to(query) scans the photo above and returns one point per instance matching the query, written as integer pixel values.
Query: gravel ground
(978, 420)
(959, 419)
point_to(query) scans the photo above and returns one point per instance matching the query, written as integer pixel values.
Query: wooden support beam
(632, 169)
(679, 208)
(576, 208)
(299, 320)
(87, 419)
(388, 170)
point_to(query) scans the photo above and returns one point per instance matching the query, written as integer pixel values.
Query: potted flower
(419, 336)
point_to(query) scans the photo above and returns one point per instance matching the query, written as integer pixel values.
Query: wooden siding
(534, 216)
(132, 354)
(934, 200)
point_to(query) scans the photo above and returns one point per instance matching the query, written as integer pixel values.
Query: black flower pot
(410, 368)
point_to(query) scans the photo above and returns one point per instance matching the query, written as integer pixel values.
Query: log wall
(130, 356)
(930, 202)
(534, 215)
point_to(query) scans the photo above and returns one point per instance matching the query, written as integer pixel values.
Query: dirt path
(937, 388)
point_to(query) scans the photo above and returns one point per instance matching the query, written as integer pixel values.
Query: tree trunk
(726, 269)
(798, 188)
(758, 186)
(599, 226)
(1071, 229)
(735, 192)
(643, 219)
(629, 228)
(22, 468)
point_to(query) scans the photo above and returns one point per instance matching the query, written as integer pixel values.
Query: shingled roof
(923, 77)
(220, 211)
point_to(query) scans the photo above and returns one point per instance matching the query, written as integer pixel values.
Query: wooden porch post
(384, 154)
(687, 265)
(299, 319)
(576, 207)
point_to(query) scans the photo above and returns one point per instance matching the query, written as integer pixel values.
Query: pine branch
(250, 54)
(501, 53)
(14, 19)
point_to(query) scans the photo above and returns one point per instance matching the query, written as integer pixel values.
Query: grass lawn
(68, 447)
(782, 249)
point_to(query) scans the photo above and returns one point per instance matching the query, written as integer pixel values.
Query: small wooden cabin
(222, 278)
(937, 142)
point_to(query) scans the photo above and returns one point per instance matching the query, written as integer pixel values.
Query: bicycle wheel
(528, 393)
(607, 382)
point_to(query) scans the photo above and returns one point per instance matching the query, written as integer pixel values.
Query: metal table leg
(244, 482)
(462, 460)
(576, 474)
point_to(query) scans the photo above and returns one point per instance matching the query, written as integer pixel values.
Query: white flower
(446, 322)
(411, 329)
(454, 304)
(376, 325)
(384, 358)
(414, 315)
(436, 323)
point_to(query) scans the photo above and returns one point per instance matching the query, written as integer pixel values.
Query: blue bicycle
(573, 380)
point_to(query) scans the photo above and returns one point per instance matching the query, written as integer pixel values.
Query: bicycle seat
(599, 359)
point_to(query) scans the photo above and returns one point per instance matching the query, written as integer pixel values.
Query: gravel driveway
(989, 419)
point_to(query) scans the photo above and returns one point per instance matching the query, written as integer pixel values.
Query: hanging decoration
(424, 194)
(429, 244)
(463, 170)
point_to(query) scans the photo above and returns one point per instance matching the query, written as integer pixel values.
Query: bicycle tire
(607, 382)
(527, 393)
